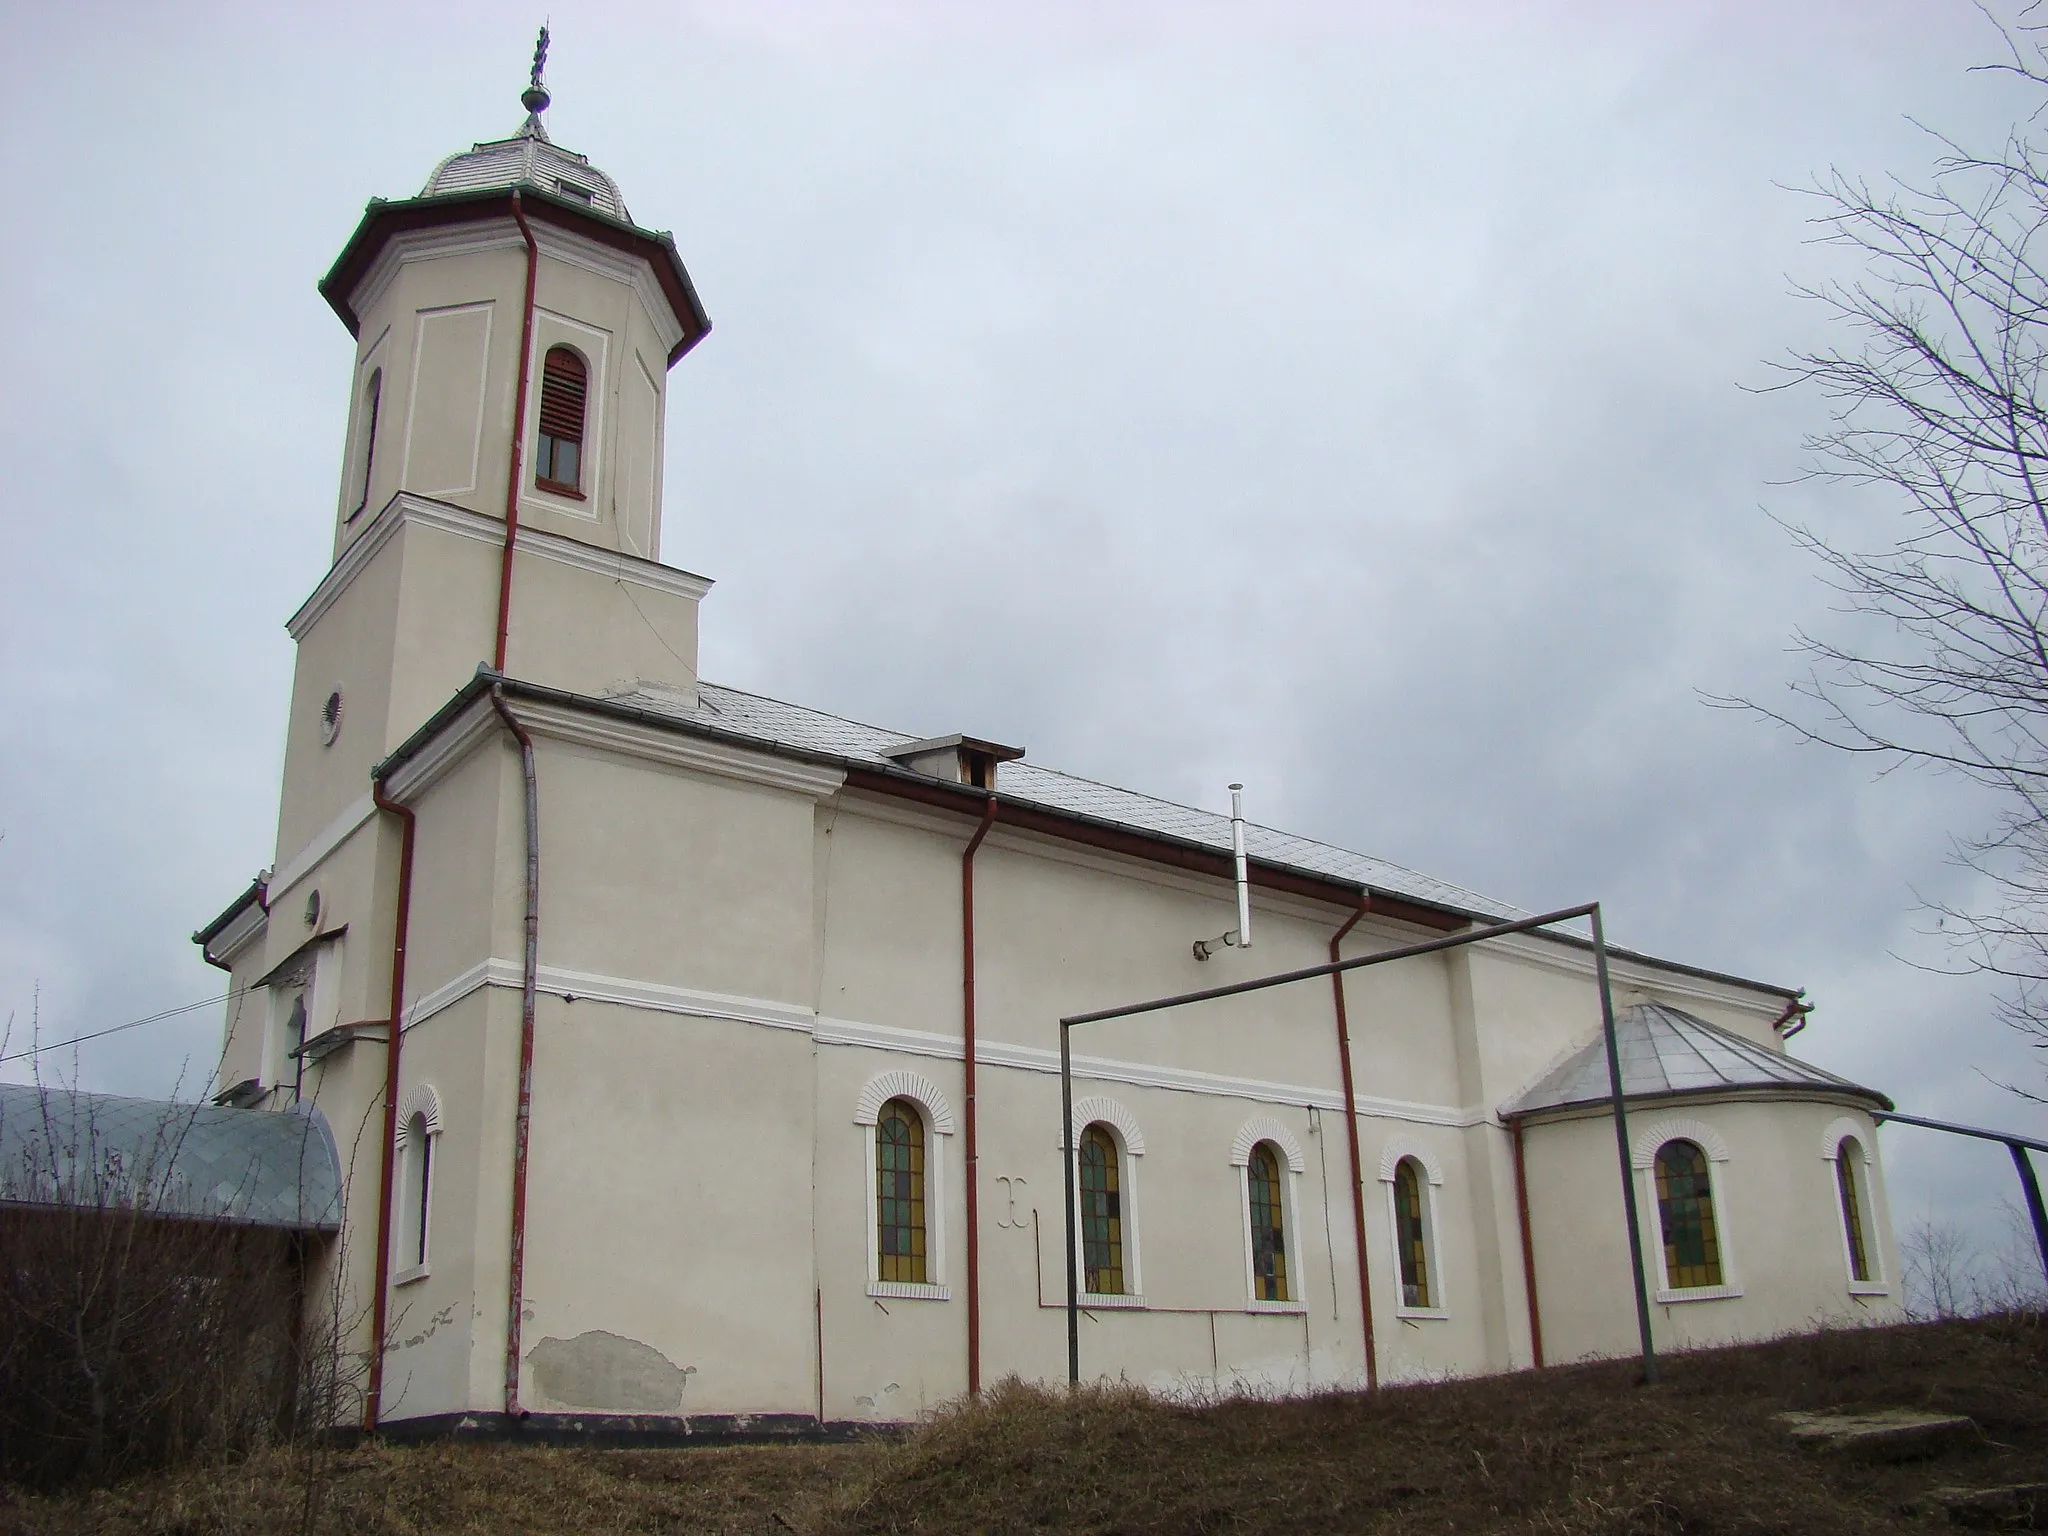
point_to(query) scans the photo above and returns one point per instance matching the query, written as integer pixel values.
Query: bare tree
(1939, 410)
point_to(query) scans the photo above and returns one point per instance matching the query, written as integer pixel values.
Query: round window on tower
(330, 718)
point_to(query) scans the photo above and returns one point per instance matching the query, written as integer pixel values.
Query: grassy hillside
(1578, 1449)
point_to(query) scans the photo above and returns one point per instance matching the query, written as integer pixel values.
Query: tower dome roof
(529, 160)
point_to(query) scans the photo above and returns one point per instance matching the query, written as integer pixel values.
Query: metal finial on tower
(535, 97)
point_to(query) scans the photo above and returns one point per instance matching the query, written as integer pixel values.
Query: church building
(692, 1056)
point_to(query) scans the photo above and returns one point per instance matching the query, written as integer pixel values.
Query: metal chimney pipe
(1244, 879)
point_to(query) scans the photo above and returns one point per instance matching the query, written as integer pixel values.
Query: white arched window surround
(923, 1095)
(592, 347)
(1123, 1130)
(1264, 1128)
(1396, 1152)
(1643, 1148)
(1839, 1131)
(419, 1133)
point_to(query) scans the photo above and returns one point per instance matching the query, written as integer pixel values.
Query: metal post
(1073, 1258)
(1628, 1171)
(2032, 1186)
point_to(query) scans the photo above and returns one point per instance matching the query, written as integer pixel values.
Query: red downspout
(373, 1393)
(1372, 1371)
(515, 1290)
(1528, 1250)
(973, 1149)
(518, 439)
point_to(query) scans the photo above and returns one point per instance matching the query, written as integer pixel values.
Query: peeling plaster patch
(434, 1325)
(602, 1370)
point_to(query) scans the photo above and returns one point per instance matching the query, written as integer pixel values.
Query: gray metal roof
(1666, 1051)
(749, 715)
(95, 1150)
(528, 159)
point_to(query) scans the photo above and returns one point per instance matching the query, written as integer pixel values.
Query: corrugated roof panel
(1667, 1050)
(96, 1150)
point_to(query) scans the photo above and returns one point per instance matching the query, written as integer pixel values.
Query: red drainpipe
(1528, 1250)
(515, 1291)
(518, 438)
(374, 1392)
(1372, 1370)
(973, 1149)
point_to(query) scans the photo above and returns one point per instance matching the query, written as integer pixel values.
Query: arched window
(1411, 1235)
(1849, 1187)
(899, 1193)
(1685, 1210)
(564, 392)
(366, 452)
(416, 1194)
(1269, 1224)
(1102, 1216)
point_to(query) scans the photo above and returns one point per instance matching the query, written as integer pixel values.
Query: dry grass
(1581, 1450)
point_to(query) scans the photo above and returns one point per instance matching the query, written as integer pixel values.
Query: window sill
(556, 488)
(1423, 1314)
(1666, 1297)
(407, 1276)
(1869, 1288)
(907, 1290)
(1093, 1302)
(1290, 1307)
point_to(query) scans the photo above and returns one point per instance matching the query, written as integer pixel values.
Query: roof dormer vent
(955, 759)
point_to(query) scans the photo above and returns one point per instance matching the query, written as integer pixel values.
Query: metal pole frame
(2018, 1146)
(1336, 968)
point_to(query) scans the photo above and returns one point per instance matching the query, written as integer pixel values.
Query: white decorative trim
(488, 308)
(1399, 1147)
(1667, 1297)
(1839, 1128)
(676, 749)
(1128, 1301)
(408, 507)
(1112, 1114)
(1265, 1128)
(581, 987)
(1432, 1236)
(905, 1290)
(440, 756)
(583, 339)
(503, 235)
(1644, 1144)
(249, 926)
(330, 837)
(899, 1084)
(425, 1103)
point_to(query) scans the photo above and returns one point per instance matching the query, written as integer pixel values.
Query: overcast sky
(1347, 399)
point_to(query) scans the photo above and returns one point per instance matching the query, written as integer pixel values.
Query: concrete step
(2011, 1507)
(1888, 1434)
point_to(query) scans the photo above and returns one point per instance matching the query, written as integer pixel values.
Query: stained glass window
(1685, 1208)
(416, 1166)
(1102, 1215)
(1269, 1225)
(1411, 1235)
(899, 1193)
(1847, 1155)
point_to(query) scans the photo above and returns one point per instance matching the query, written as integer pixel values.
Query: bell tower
(501, 480)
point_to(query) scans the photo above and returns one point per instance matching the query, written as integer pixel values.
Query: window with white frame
(419, 1131)
(1412, 1178)
(1846, 1148)
(1268, 1160)
(1107, 1145)
(1679, 1164)
(905, 1122)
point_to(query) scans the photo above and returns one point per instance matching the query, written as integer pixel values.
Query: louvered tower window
(564, 399)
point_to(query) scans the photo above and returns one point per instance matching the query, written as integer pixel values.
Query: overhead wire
(101, 1034)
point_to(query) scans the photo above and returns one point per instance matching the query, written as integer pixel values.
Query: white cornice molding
(447, 748)
(325, 841)
(677, 749)
(1646, 974)
(407, 509)
(488, 235)
(248, 926)
(659, 997)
